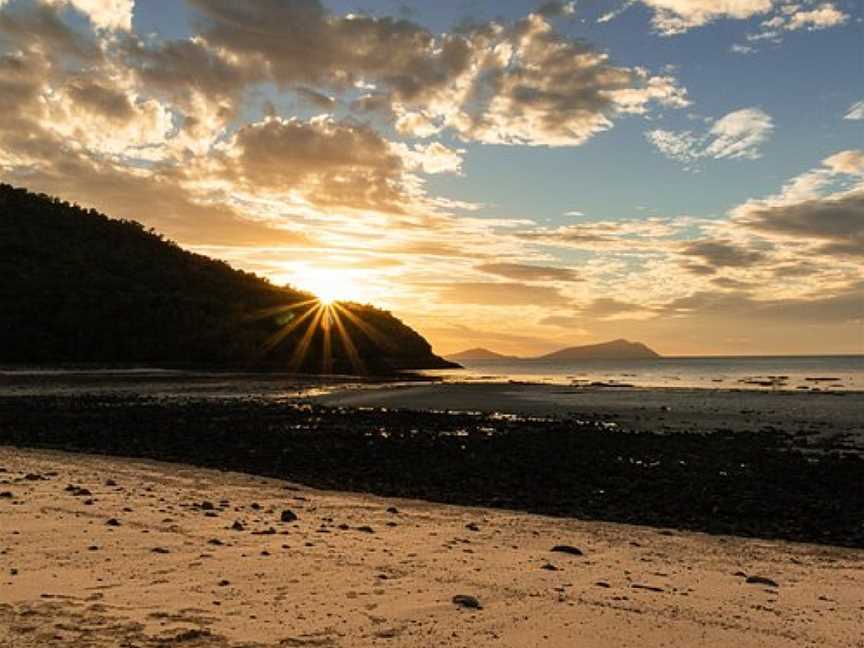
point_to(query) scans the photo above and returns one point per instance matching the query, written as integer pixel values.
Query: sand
(638, 409)
(349, 573)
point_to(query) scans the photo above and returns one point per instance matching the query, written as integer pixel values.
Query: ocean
(811, 373)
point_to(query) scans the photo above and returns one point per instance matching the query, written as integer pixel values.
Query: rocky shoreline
(768, 484)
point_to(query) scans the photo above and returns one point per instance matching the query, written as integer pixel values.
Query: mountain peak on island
(619, 349)
(478, 353)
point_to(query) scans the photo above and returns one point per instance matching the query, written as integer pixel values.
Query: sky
(516, 175)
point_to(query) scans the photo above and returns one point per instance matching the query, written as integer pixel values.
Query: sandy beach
(115, 552)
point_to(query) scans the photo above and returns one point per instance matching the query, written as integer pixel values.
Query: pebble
(567, 549)
(288, 516)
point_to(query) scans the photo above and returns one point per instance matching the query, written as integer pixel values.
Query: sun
(329, 286)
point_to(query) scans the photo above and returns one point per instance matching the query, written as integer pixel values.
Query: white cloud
(737, 135)
(104, 14)
(677, 16)
(856, 111)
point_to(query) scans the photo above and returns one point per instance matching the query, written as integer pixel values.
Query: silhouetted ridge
(478, 353)
(79, 287)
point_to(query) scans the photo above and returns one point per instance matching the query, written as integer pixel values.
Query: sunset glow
(557, 173)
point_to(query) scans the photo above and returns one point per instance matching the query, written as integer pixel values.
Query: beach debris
(567, 549)
(466, 601)
(288, 516)
(761, 580)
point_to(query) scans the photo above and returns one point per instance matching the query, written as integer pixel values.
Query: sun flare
(329, 285)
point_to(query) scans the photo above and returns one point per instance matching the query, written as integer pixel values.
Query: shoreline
(358, 570)
(763, 482)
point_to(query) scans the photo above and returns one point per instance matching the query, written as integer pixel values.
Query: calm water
(795, 372)
(827, 373)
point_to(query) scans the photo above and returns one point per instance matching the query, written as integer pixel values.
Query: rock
(224, 583)
(393, 510)
(206, 506)
(34, 477)
(549, 567)
(288, 516)
(6, 495)
(761, 580)
(255, 506)
(215, 541)
(567, 549)
(366, 529)
(110, 482)
(472, 527)
(603, 584)
(92, 548)
(160, 550)
(466, 601)
(114, 522)
(650, 588)
(237, 526)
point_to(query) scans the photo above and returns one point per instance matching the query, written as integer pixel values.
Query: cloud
(850, 162)
(499, 294)
(737, 135)
(634, 235)
(331, 163)
(838, 221)
(678, 16)
(856, 111)
(672, 17)
(520, 83)
(721, 254)
(521, 272)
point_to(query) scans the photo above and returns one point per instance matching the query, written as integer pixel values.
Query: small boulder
(761, 580)
(288, 516)
(466, 601)
(567, 549)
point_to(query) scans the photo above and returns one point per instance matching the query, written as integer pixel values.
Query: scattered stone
(567, 549)
(466, 601)
(270, 531)
(602, 584)
(110, 482)
(255, 506)
(224, 583)
(366, 529)
(393, 510)
(114, 522)
(215, 541)
(288, 516)
(206, 506)
(237, 526)
(472, 527)
(549, 567)
(761, 580)
(160, 550)
(92, 548)
(650, 588)
(343, 527)
(6, 495)
(34, 477)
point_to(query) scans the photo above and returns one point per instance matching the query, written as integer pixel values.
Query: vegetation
(79, 287)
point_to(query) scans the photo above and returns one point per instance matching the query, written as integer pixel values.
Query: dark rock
(366, 529)
(602, 584)
(761, 580)
(472, 527)
(215, 541)
(114, 522)
(6, 495)
(466, 601)
(650, 588)
(34, 477)
(160, 550)
(237, 526)
(393, 510)
(110, 482)
(567, 549)
(224, 583)
(288, 516)
(206, 506)
(549, 567)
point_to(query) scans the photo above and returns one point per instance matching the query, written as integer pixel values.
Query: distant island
(478, 354)
(615, 350)
(81, 288)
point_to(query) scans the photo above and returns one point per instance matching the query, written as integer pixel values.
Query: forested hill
(79, 287)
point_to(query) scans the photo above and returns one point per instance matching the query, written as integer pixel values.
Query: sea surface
(811, 373)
